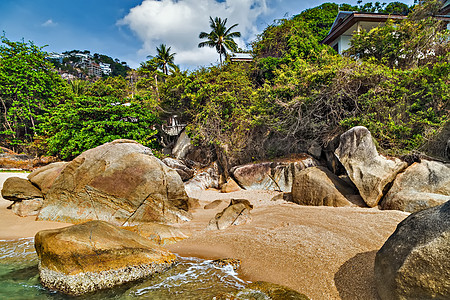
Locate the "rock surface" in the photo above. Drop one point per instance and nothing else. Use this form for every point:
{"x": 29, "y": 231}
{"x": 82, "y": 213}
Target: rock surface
{"x": 44, "y": 177}
{"x": 160, "y": 234}
{"x": 182, "y": 146}
{"x": 96, "y": 255}
{"x": 274, "y": 176}
{"x": 414, "y": 263}
{"x": 422, "y": 185}
{"x": 267, "y": 290}
{"x": 368, "y": 170}
{"x": 27, "y": 208}
{"x": 120, "y": 182}
{"x": 237, "y": 213}
{"x": 318, "y": 186}
{"x": 203, "y": 181}
{"x": 184, "y": 172}
{"x": 18, "y": 189}
{"x": 230, "y": 186}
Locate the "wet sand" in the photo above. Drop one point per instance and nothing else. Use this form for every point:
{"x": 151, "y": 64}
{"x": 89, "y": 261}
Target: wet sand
{"x": 15, "y": 227}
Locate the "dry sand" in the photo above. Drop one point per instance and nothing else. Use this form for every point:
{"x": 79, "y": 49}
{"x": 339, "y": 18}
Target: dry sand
{"x": 15, "y": 227}
{"x": 323, "y": 252}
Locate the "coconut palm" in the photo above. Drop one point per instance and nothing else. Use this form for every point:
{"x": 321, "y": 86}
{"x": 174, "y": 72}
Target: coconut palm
{"x": 164, "y": 58}
{"x": 220, "y": 37}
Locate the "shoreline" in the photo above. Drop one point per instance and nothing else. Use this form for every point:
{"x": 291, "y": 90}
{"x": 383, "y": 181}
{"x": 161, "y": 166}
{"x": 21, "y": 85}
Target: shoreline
{"x": 322, "y": 252}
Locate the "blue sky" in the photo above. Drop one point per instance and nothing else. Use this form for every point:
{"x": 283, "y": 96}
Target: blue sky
{"x": 131, "y": 29}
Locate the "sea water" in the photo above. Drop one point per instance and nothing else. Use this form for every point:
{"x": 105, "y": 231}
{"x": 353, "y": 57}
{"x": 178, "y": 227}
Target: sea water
{"x": 191, "y": 278}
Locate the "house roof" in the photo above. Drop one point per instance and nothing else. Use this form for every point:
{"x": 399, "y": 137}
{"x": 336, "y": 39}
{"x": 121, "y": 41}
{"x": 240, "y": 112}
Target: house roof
{"x": 241, "y": 57}
{"x": 345, "y": 20}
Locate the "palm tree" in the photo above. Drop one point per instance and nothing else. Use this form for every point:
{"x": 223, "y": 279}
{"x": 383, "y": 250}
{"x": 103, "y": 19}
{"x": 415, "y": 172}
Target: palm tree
{"x": 220, "y": 37}
{"x": 164, "y": 58}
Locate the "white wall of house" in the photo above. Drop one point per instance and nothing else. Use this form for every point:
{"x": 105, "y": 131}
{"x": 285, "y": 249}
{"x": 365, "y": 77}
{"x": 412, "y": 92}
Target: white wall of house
{"x": 342, "y": 42}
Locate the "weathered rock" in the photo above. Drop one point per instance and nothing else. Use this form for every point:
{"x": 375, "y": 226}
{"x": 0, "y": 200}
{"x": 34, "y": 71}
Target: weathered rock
{"x": 18, "y": 189}
{"x": 317, "y": 186}
{"x": 96, "y": 255}
{"x": 275, "y": 176}
{"x": 267, "y": 290}
{"x": 213, "y": 205}
{"x": 370, "y": 172}
{"x": 203, "y": 181}
{"x": 315, "y": 150}
{"x": 161, "y": 234}
{"x": 44, "y": 177}
{"x": 422, "y": 185}
{"x": 230, "y": 186}
{"x": 237, "y": 213}
{"x": 27, "y": 208}
{"x": 11, "y": 160}
{"x": 193, "y": 203}
{"x": 184, "y": 172}
{"x": 414, "y": 263}
{"x": 120, "y": 182}
{"x": 182, "y": 146}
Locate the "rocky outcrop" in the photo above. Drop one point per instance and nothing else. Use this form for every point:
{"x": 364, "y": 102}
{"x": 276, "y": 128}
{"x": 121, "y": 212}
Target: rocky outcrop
{"x": 414, "y": 263}
{"x": 369, "y": 171}
{"x": 44, "y": 177}
{"x": 318, "y": 186}
{"x": 18, "y": 189}
{"x": 422, "y": 185}
{"x": 237, "y": 213}
{"x": 11, "y": 160}
{"x": 121, "y": 182}
{"x": 160, "y": 234}
{"x": 212, "y": 205}
{"x": 96, "y": 255}
{"x": 27, "y": 198}
{"x": 203, "y": 180}
{"x": 185, "y": 172}
{"x": 275, "y": 176}
{"x": 182, "y": 147}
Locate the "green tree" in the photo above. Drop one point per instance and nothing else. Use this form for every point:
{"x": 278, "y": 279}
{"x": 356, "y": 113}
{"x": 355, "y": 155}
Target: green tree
{"x": 87, "y": 122}
{"x": 220, "y": 37}
{"x": 164, "y": 58}
{"x": 28, "y": 87}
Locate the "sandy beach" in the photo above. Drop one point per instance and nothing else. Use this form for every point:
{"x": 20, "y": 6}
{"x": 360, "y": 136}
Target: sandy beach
{"x": 323, "y": 252}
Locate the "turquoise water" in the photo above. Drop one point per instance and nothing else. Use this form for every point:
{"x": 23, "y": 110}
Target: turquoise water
{"x": 192, "y": 278}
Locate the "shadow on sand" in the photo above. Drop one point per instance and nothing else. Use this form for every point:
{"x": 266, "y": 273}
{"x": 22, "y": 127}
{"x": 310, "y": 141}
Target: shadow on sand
{"x": 355, "y": 278}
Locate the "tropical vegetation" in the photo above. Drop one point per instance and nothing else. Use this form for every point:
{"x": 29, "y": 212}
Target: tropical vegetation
{"x": 296, "y": 93}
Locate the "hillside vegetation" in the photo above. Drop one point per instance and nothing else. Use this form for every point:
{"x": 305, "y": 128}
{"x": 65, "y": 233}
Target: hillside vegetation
{"x": 296, "y": 93}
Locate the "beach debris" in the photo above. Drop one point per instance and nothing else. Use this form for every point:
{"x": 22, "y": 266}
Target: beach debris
{"x": 237, "y": 213}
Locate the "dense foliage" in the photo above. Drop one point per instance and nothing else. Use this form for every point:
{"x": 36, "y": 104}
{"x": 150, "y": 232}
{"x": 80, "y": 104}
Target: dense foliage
{"x": 297, "y": 93}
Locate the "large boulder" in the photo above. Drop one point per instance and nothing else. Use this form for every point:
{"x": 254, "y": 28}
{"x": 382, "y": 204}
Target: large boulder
{"x": 237, "y": 213}
{"x": 422, "y": 185}
{"x": 25, "y": 208}
{"x": 18, "y": 189}
{"x": 160, "y": 234}
{"x": 318, "y": 186}
{"x": 121, "y": 182}
{"x": 369, "y": 171}
{"x": 275, "y": 176}
{"x": 414, "y": 263}
{"x": 185, "y": 172}
{"x": 182, "y": 147}
{"x": 96, "y": 255}
{"x": 44, "y": 177}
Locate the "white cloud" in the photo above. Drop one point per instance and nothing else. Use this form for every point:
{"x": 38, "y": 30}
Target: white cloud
{"x": 177, "y": 23}
{"x": 48, "y": 23}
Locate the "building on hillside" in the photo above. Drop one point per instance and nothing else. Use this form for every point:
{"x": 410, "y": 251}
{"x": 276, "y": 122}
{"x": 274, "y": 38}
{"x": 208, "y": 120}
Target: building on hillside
{"x": 348, "y": 23}
{"x": 106, "y": 68}
{"x": 247, "y": 57}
